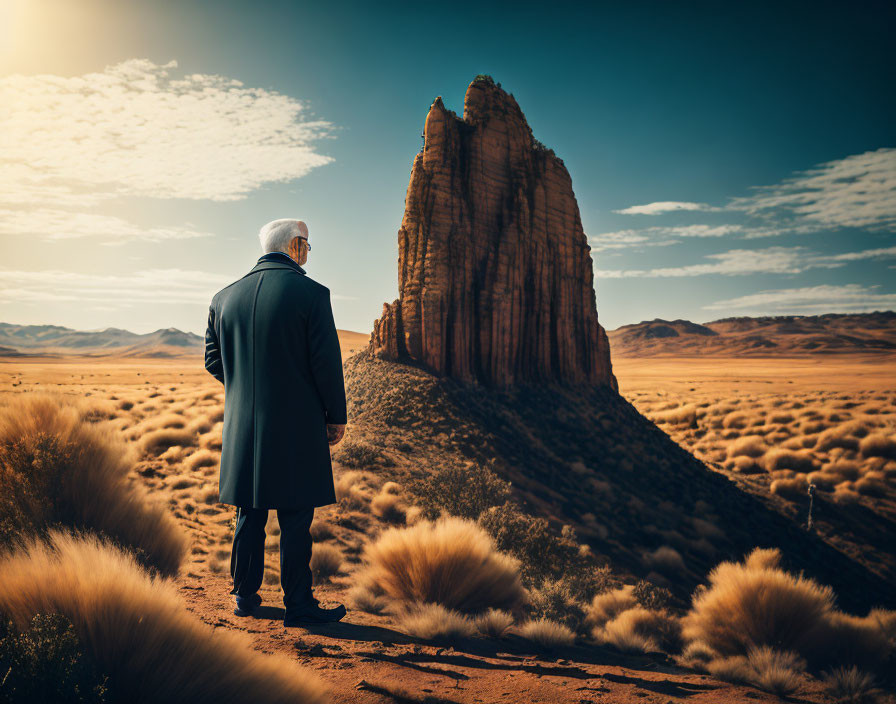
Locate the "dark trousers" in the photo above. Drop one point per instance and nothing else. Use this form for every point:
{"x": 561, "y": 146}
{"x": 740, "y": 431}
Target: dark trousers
{"x": 247, "y": 556}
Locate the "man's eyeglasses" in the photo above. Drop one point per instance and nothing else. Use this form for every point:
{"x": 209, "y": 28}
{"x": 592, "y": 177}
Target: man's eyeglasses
{"x": 303, "y": 241}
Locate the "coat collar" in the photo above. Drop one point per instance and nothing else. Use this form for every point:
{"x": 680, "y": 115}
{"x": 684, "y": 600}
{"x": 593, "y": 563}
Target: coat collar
{"x": 277, "y": 260}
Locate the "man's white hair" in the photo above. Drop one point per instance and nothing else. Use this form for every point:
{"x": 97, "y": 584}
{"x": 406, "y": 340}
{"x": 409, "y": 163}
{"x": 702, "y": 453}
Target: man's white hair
{"x": 277, "y": 234}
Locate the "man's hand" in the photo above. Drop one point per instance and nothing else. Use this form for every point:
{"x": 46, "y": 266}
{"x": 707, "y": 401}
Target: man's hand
{"x": 335, "y": 433}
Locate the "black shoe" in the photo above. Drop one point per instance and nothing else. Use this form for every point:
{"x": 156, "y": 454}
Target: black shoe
{"x": 246, "y": 606}
{"x": 313, "y": 612}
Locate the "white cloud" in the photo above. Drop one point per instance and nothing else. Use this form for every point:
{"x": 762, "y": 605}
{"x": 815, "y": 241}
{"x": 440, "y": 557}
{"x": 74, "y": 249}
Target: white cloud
{"x": 662, "y": 207}
{"x": 658, "y": 236}
{"x": 771, "y": 260}
{"x": 150, "y": 286}
{"x": 777, "y": 260}
{"x": 811, "y": 299}
{"x": 864, "y": 254}
{"x": 51, "y": 225}
{"x": 623, "y": 239}
{"x": 857, "y": 191}
{"x": 136, "y": 130}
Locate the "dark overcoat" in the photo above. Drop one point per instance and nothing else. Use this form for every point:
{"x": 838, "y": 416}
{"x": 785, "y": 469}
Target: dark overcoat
{"x": 271, "y": 340}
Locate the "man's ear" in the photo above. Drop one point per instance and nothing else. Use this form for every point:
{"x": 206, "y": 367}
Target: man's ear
{"x": 294, "y": 248}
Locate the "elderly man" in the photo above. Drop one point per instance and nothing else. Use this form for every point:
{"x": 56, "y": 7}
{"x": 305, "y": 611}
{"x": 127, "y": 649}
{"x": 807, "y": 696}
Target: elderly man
{"x": 271, "y": 340}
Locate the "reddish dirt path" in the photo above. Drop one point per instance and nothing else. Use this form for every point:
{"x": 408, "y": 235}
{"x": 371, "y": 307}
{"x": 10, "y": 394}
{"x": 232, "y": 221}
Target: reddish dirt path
{"x": 367, "y": 647}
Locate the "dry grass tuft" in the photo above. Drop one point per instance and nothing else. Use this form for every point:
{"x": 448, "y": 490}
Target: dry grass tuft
{"x": 775, "y": 671}
{"x": 665, "y": 559}
{"x": 451, "y": 561}
{"x": 137, "y": 631}
{"x": 547, "y": 634}
{"x": 879, "y": 445}
{"x": 494, "y": 623}
{"x": 748, "y": 446}
{"x": 607, "y": 605}
{"x": 850, "y": 685}
{"x": 388, "y": 507}
{"x": 755, "y": 603}
{"x": 158, "y": 441}
{"x": 202, "y": 458}
{"x": 768, "y": 669}
{"x": 326, "y": 561}
{"x": 434, "y": 622}
{"x": 789, "y": 459}
{"x": 56, "y": 468}
{"x": 640, "y": 630}
{"x": 792, "y": 489}
{"x": 363, "y": 598}
{"x": 696, "y": 655}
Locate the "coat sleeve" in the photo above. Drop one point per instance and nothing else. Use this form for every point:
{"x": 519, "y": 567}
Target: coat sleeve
{"x": 213, "y": 363}
{"x": 326, "y": 359}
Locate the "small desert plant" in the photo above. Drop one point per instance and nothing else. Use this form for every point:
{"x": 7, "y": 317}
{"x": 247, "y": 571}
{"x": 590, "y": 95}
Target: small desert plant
{"x": 158, "y": 441}
{"x": 460, "y": 491}
{"x": 202, "y": 458}
{"x": 792, "y": 489}
{"x": 607, "y": 605}
{"x": 748, "y": 446}
{"x": 452, "y": 562}
{"x": 542, "y": 553}
{"x": 774, "y": 671}
{"x": 665, "y": 559}
{"x": 547, "y": 634}
{"x": 57, "y": 469}
{"x": 134, "y": 627}
{"x": 696, "y": 655}
{"x": 326, "y": 560}
{"x": 388, "y": 507}
{"x": 878, "y": 445}
{"x": 435, "y": 622}
{"x": 768, "y": 669}
{"x": 640, "y": 630}
{"x": 494, "y": 623}
{"x": 755, "y": 603}
{"x": 850, "y": 685}
{"x": 363, "y": 598}
{"x": 44, "y": 663}
{"x": 650, "y": 596}
{"x": 789, "y": 459}
{"x": 556, "y": 600}
{"x": 350, "y": 487}
{"x": 358, "y": 453}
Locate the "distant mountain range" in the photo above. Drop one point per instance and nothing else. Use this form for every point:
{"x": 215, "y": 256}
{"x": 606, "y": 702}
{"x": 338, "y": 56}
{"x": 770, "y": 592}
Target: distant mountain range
{"x": 833, "y": 333}
{"x": 43, "y": 340}
{"x": 18, "y": 340}
{"x": 776, "y": 335}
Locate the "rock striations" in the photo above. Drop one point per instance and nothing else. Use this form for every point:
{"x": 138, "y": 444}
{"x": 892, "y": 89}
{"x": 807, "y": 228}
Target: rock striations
{"x": 495, "y": 271}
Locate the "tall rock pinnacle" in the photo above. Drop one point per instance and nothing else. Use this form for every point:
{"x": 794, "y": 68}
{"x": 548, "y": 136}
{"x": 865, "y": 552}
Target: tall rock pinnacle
{"x": 495, "y": 273}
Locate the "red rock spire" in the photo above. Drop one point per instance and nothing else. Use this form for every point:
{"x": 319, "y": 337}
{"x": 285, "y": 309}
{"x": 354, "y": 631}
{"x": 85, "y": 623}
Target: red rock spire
{"x": 495, "y": 273}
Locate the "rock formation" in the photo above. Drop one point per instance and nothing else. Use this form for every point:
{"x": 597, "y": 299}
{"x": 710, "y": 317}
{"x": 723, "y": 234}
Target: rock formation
{"x": 495, "y": 272}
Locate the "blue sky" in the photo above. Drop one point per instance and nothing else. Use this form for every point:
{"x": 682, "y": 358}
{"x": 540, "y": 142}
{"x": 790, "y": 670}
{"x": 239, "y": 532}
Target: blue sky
{"x": 727, "y": 160}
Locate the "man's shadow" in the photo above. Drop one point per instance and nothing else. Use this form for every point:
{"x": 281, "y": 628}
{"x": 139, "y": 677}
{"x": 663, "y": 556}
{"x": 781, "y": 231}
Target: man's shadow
{"x": 338, "y": 630}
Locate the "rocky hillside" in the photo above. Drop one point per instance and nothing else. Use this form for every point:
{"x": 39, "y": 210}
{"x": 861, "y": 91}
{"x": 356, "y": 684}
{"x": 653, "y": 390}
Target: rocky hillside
{"x": 834, "y": 333}
{"x": 584, "y": 456}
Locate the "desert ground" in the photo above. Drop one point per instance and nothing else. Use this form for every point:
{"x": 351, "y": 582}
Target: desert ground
{"x": 772, "y": 425}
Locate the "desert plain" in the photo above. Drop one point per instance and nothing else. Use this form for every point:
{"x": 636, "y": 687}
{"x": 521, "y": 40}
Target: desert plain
{"x": 773, "y": 425}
